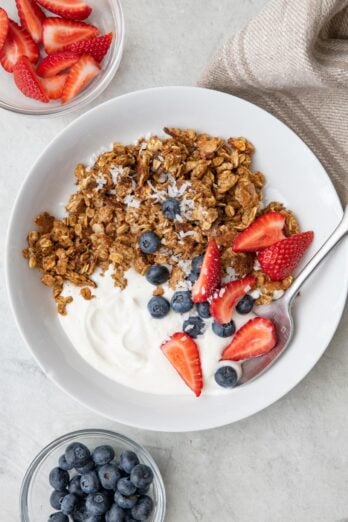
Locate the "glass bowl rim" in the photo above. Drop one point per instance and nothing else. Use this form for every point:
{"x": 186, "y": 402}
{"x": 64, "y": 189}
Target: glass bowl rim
{"x": 45, "y": 452}
{"x": 110, "y": 72}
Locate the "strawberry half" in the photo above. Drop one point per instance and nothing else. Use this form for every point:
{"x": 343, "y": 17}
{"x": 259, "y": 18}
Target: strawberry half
{"x": 18, "y": 43}
{"x": 263, "y": 232}
{"x": 97, "y": 46}
{"x": 3, "y": 26}
{"x": 225, "y": 299}
{"x": 256, "y": 337}
{"x": 70, "y": 9}
{"x": 80, "y": 75}
{"x": 280, "y": 260}
{"x": 182, "y": 352}
{"x": 210, "y": 274}
{"x": 26, "y": 80}
{"x": 54, "y": 85}
{"x": 31, "y": 18}
{"x": 59, "y": 33}
{"x": 55, "y": 63}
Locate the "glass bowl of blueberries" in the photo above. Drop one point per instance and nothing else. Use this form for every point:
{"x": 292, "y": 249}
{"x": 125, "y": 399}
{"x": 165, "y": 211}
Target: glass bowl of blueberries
{"x": 93, "y": 475}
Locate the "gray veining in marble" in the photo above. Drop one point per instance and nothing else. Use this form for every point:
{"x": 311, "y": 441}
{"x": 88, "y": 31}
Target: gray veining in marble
{"x": 285, "y": 464}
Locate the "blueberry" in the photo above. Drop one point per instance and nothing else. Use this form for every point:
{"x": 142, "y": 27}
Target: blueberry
{"x": 89, "y": 482}
{"x": 87, "y": 467}
{"x": 62, "y": 463}
{"x": 203, "y": 310}
{"x": 245, "y": 305}
{"x": 75, "y": 486}
{"x": 69, "y": 503}
{"x": 181, "y": 301}
{"x": 141, "y": 476}
{"x": 125, "y": 502}
{"x": 226, "y": 376}
{"x": 77, "y": 455}
{"x": 143, "y": 508}
{"x": 192, "y": 277}
{"x": 59, "y": 479}
{"x": 129, "y": 517}
{"x": 171, "y": 208}
{"x": 94, "y": 518}
{"x": 103, "y": 455}
{"x": 149, "y": 242}
{"x": 143, "y": 491}
{"x": 115, "y": 514}
{"x": 157, "y": 274}
{"x": 57, "y": 497}
{"x": 109, "y": 475}
{"x": 126, "y": 487}
{"x": 197, "y": 263}
{"x": 158, "y": 307}
{"x": 97, "y": 503}
{"x": 128, "y": 459}
{"x": 224, "y": 330}
{"x": 193, "y": 326}
{"x": 58, "y": 517}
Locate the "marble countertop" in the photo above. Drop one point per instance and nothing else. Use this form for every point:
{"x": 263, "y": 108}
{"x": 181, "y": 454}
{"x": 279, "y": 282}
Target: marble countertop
{"x": 287, "y": 463}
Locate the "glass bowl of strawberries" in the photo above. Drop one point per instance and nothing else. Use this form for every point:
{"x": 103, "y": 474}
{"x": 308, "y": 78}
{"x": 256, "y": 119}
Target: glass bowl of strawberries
{"x": 57, "y": 55}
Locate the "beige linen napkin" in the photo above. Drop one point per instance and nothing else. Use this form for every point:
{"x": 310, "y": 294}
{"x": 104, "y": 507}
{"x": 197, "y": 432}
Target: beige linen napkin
{"x": 292, "y": 60}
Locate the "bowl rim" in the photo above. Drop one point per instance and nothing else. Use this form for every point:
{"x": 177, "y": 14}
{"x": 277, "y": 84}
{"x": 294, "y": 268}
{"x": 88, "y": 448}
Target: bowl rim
{"x": 46, "y": 450}
{"x": 110, "y": 72}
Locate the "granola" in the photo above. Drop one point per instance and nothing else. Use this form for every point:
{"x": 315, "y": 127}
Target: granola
{"x": 120, "y": 197}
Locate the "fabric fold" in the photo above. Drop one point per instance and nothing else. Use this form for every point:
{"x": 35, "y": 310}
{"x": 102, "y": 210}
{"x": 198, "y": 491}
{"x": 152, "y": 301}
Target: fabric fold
{"x": 292, "y": 60}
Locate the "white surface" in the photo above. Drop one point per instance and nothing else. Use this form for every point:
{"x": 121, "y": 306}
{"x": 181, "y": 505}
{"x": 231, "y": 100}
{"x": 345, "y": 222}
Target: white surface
{"x": 218, "y": 114}
{"x": 286, "y": 463}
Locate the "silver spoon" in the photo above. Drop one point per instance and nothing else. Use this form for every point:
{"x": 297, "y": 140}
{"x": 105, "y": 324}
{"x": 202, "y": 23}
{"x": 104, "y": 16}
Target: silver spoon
{"x": 279, "y": 312}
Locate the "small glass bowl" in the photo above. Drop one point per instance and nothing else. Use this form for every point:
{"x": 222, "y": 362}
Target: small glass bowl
{"x": 108, "y": 16}
{"x": 36, "y": 490}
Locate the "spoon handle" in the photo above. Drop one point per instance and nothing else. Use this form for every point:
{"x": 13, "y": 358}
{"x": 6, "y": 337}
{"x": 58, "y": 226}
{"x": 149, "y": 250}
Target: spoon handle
{"x": 331, "y": 242}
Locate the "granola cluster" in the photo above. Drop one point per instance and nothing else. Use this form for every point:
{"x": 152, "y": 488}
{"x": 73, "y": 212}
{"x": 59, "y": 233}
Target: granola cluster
{"x": 120, "y": 197}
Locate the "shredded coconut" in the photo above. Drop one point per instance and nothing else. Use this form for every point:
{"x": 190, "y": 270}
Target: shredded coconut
{"x": 115, "y": 173}
{"x": 101, "y": 181}
{"x": 255, "y": 294}
{"x": 182, "y": 234}
{"x": 132, "y": 201}
{"x": 277, "y": 294}
{"x": 185, "y": 265}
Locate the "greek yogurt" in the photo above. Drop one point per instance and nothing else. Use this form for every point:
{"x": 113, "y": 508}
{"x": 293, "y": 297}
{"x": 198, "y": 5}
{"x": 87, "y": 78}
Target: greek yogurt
{"x": 115, "y": 334}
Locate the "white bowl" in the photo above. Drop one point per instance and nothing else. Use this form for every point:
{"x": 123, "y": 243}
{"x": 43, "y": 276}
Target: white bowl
{"x": 290, "y": 167}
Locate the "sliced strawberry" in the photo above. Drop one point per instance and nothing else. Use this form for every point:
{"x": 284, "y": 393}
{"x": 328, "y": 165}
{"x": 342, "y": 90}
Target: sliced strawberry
{"x": 80, "y": 75}
{"x": 256, "y": 337}
{"x": 210, "y": 275}
{"x": 31, "y": 18}
{"x": 225, "y": 299}
{"x": 280, "y": 260}
{"x": 59, "y": 33}
{"x": 55, "y": 63}
{"x": 263, "y": 232}
{"x": 26, "y": 80}
{"x": 70, "y": 9}
{"x": 182, "y": 352}
{"x": 54, "y": 85}
{"x": 18, "y": 43}
{"x": 3, "y": 27}
{"x": 97, "y": 46}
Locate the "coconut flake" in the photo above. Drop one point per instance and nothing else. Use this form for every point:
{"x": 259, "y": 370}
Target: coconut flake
{"x": 277, "y": 294}
{"x": 116, "y": 172}
{"x": 255, "y": 294}
{"x": 131, "y": 201}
